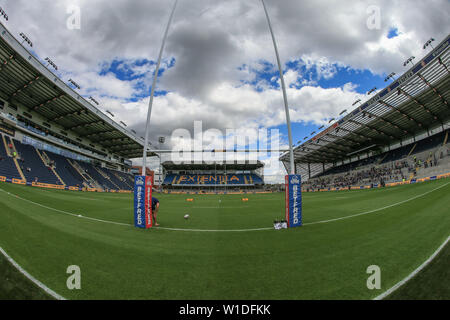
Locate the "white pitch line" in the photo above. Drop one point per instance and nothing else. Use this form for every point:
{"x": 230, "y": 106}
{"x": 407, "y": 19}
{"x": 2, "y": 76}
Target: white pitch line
{"x": 234, "y": 230}
{"x": 205, "y": 230}
{"x": 31, "y": 278}
{"x": 90, "y": 199}
{"x": 65, "y": 212}
{"x": 220, "y": 207}
{"x": 383, "y": 295}
{"x": 375, "y": 210}
{"x": 412, "y": 274}
{"x": 128, "y": 224}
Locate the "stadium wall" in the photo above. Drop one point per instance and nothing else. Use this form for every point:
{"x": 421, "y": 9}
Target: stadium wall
{"x": 58, "y": 187}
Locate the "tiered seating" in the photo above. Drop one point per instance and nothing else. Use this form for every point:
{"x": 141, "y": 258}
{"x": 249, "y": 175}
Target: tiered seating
{"x": 397, "y": 154}
{"x": 210, "y": 179}
{"x": 65, "y": 170}
{"x": 34, "y": 169}
{"x": 430, "y": 171}
{"x": 91, "y": 171}
{"x": 394, "y": 155}
{"x": 430, "y": 143}
{"x": 257, "y": 180}
{"x": 128, "y": 179}
{"x": 118, "y": 180}
{"x": 427, "y": 157}
{"x": 113, "y": 179}
{"x": 32, "y": 166}
{"x": 8, "y": 168}
{"x": 353, "y": 166}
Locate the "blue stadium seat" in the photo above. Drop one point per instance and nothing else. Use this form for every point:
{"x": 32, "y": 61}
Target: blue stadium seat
{"x": 32, "y": 166}
{"x": 94, "y": 174}
{"x": 127, "y": 179}
{"x": 7, "y": 166}
{"x": 211, "y": 180}
{"x": 117, "y": 179}
{"x": 70, "y": 176}
{"x": 65, "y": 170}
{"x": 112, "y": 183}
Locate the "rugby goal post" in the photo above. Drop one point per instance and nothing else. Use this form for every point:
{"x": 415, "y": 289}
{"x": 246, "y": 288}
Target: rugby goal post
{"x": 143, "y": 188}
{"x": 293, "y": 193}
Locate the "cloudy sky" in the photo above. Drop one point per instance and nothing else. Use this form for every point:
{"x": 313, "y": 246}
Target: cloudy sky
{"x": 219, "y": 65}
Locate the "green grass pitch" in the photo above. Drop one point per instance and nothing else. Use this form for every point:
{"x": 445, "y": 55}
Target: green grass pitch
{"x": 395, "y": 228}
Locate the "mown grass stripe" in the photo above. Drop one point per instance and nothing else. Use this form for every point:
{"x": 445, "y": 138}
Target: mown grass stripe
{"x": 234, "y": 230}
{"x": 412, "y": 274}
{"x": 31, "y": 278}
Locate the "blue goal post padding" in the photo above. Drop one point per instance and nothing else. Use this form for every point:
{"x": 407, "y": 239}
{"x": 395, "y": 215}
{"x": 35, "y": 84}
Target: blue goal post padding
{"x": 143, "y": 186}
{"x": 294, "y": 201}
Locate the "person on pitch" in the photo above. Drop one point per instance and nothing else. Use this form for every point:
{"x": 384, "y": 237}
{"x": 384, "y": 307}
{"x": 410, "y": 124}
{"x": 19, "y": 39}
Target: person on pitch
{"x": 155, "y": 209}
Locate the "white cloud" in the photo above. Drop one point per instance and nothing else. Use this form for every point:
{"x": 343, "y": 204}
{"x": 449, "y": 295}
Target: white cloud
{"x": 211, "y": 40}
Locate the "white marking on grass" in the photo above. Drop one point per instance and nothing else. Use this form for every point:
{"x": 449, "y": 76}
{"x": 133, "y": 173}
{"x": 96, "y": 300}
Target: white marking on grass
{"x": 68, "y": 213}
{"x": 84, "y": 198}
{"x": 381, "y": 296}
{"x": 31, "y": 278}
{"x": 412, "y": 274}
{"x": 234, "y": 230}
{"x": 220, "y": 207}
{"x": 376, "y": 210}
{"x": 205, "y": 230}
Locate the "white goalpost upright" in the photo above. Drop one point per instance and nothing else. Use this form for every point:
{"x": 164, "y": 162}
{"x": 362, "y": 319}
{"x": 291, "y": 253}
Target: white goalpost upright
{"x": 143, "y": 184}
{"x": 293, "y": 193}
{"x": 293, "y": 182}
{"x": 283, "y": 88}
{"x": 152, "y": 95}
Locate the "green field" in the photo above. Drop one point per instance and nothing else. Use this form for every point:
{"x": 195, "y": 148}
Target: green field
{"x": 217, "y": 253}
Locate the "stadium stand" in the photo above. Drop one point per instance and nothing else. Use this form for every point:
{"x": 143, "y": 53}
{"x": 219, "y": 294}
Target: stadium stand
{"x": 127, "y": 179}
{"x": 51, "y": 168}
{"x": 32, "y": 165}
{"x": 60, "y": 139}
{"x": 101, "y": 181}
{"x": 7, "y": 166}
{"x": 65, "y": 170}
{"x": 210, "y": 179}
{"x": 378, "y": 140}
{"x": 119, "y": 180}
{"x": 215, "y": 177}
{"x": 426, "y": 158}
{"x": 109, "y": 177}
{"x": 393, "y": 155}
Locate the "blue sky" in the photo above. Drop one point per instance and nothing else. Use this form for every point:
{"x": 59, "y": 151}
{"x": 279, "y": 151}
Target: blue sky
{"x": 264, "y": 76}
{"x": 393, "y": 32}
{"x": 266, "y": 73}
{"x": 222, "y": 72}
{"x": 138, "y": 72}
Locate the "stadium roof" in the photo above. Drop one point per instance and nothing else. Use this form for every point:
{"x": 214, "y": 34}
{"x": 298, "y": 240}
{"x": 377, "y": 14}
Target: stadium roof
{"x": 415, "y": 102}
{"x": 235, "y": 165}
{"x": 25, "y": 80}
